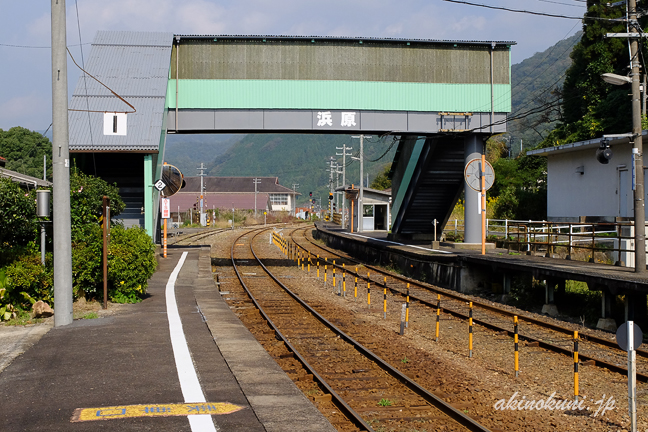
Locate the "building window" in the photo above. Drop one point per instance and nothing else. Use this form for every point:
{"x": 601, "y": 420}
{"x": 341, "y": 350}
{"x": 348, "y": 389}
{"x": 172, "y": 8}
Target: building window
{"x": 279, "y": 199}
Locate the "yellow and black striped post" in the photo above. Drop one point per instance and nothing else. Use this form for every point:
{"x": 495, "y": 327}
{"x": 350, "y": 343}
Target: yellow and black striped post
{"x": 368, "y": 291}
{"x": 438, "y": 316}
{"x": 515, "y": 340}
{"x": 334, "y": 276}
{"x": 302, "y": 255}
{"x": 317, "y": 266}
{"x": 309, "y": 262}
{"x": 355, "y": 287}
{"x": 470, "y": 330}
{"x": 407, "y": 307}
{"x": 385, "y": 300}
{"x": 343, "y": 280}
{"x": 576, "y": 366}
{"x": 325, "y": 271}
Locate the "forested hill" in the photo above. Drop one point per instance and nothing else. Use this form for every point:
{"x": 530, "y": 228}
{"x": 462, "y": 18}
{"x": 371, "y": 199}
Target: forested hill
{"x": 302, "y": 159}
{"x": 533, "y": 81}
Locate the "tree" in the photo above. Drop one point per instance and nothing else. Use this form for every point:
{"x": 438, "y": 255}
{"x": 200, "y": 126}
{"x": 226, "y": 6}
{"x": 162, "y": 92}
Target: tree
{"x": 382, "y": 180}
{"x": 24, "y": 151}
{"x": 590, "y": 106}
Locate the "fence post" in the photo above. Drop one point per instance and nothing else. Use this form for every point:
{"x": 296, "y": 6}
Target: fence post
{"x": 576, "y": 366}
{"x": 506, "y": 229}
{"x": 592, "y": 258}
{"x": 569, "y": 248}
{"x": 455, "y": 228}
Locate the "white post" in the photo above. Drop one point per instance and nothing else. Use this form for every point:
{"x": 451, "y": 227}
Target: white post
{"x": 632, "y": 378}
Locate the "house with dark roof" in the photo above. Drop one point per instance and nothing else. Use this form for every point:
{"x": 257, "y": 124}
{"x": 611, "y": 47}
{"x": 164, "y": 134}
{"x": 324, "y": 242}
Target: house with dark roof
{"x": 240, "y": 193}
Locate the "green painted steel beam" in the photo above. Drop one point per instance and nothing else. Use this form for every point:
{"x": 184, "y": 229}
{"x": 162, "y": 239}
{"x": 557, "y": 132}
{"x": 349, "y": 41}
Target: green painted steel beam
{"x": 149, "y": 217}
{"x": 356, "y": 95}
{"x": 407, "y": 178}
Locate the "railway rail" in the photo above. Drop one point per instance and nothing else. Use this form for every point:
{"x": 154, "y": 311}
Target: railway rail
{"x": 351, "y": 373}
{"x": 554, "y": 337}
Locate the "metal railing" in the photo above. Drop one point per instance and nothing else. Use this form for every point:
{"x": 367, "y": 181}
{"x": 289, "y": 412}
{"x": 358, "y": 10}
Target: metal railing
{"x": 537, "y": 236}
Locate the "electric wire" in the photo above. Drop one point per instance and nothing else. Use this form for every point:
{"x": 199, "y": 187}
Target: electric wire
{"x": 109, "y": 89}
{"x": 585, "y": 17}
{"x": 85, "y": 85}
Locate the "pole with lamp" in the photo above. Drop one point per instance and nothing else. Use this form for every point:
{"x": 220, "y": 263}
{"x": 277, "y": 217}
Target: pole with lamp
{"x": 637, "y": 147}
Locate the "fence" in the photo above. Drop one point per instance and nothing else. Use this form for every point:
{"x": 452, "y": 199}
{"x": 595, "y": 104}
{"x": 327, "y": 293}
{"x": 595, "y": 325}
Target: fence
{"x": 535, "y": 236}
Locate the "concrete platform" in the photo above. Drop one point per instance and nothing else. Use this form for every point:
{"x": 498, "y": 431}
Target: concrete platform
{"x": 125, "y": 363}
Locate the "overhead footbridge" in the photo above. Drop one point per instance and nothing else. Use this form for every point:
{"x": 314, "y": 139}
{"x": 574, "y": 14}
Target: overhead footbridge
{"x": 441, "y": 97}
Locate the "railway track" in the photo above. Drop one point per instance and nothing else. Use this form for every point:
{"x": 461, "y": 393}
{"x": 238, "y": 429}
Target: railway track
{"x": 356, "y": 379}
{"x": 551, "y": 336}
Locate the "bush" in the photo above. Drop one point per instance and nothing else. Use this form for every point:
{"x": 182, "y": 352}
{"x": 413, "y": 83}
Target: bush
{"x": 131, "y": 262}
{"x": 28, "y": 280}
{"x": 19, "y": 224}
{"x": 87, "y": 256}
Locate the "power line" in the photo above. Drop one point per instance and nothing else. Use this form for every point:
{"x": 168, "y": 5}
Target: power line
{"x": 534, "y": 13}
{"x": 36, "y": 47}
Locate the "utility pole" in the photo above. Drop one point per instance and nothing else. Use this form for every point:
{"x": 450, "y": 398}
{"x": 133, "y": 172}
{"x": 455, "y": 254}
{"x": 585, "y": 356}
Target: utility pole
{"x": 361, "y": 194}
{"x": 61, "y": 171}
{"x": 637, "y": 149}
{"x": 344, "y": 155}
{"x": 331, "y": 170}
{"x": 256, "y": 182}
{"x": 202, "y": 196}
{"x": 295, "y": 186}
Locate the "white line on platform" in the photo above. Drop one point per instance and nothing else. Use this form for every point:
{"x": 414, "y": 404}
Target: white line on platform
{"x": 191, "y": 390}
{"x": 400, "y": 244}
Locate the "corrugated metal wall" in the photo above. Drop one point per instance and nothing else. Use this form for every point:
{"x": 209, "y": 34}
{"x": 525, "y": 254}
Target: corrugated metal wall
{"x": 340, "y": 60}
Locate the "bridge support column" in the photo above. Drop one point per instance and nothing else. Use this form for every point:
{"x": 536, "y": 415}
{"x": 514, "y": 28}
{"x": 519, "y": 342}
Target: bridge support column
{"x": 473, "y": 148}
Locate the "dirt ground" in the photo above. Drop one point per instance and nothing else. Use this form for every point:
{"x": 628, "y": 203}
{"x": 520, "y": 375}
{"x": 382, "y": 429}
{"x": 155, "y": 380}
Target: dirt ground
{"x": 485, "y": 384}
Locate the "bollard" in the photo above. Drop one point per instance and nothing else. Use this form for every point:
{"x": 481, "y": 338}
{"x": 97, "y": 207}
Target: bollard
{"x": 344, "y": 280}
{"x": 309, "y": 262}
{"x": 438, "y": 315}
{"x": 470, "y": 331}
{"x": 317, "y": 266}
{"x": 385, "y": 302}
{"x": 368, "y": 291}
{"x": 403, "y": 315}
{"x": 576, "y": 366}
{"x": 333, "y": 274}
{"x": 355, "y": 287}
{"x": 407, "y": 307}
{"x": 325, "y": 270}
{"x": 515, "y": 339}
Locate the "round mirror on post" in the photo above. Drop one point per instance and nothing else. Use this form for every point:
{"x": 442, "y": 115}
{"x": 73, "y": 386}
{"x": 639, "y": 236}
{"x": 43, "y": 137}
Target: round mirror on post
{"x": 173, "y": 180}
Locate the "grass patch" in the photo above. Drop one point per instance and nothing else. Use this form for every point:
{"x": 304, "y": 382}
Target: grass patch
{"x": 90, "y": 315}
{"x": 385, "y": 402}
{"x": 23, "y": 318}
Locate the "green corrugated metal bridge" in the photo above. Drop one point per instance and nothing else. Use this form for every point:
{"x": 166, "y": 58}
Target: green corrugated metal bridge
{"x": 443, "y": 98}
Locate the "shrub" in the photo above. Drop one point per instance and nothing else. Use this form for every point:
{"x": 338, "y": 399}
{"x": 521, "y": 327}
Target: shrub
{"x": 86, "y": 198}
{"x": 131, "y": 263}
{"x": 19, "y": 224}
{"x": 28, "y": 280}
{"x": 87, "y": 255}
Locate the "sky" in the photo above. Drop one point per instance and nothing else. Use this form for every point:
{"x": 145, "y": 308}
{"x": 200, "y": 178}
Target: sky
{"x": 25, "y": 93}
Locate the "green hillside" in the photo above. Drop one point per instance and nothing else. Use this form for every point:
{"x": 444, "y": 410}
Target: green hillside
{"x": 533, "y": 83}
{"x": 301, "y": 159}
{"x": 186, "y": 152}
